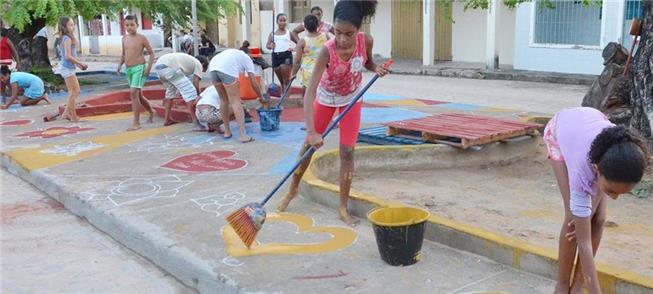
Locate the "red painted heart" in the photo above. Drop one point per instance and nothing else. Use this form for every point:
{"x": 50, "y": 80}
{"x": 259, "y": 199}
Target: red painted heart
{"x": 206, "y": 162}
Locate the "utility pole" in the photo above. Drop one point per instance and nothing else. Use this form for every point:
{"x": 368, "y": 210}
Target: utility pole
{"x": 195, "y": 34}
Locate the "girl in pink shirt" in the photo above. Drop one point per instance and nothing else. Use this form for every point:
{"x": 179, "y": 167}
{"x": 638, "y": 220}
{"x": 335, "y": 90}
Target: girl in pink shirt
{"x": 591, "y": 158}
{"x": 339, "y": 73}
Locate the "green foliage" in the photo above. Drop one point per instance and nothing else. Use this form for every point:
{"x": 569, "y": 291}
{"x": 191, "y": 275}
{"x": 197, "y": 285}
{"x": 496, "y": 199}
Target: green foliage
{"x": 46, "y": 74}
{"x": 22, "y": 13}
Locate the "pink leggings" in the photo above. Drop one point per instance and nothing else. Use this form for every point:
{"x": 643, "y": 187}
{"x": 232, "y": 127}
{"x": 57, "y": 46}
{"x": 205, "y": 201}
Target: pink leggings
{"x": 349, "y": 125}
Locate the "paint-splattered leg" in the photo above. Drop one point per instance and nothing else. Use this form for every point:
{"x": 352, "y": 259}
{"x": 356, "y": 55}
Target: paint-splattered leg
{"x": 346, "y": 176}
{"x": 296, "y": 178}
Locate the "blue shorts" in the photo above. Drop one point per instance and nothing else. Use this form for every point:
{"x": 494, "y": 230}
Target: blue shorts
{"x": 35, "y": 90}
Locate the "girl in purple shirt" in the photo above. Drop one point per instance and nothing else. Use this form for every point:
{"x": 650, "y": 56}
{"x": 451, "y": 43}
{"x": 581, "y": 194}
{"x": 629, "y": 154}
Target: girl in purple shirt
{"x": 591, "y": 158}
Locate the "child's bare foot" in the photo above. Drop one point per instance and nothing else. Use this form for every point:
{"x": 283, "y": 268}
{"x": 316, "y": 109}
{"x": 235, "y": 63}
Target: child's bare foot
{"x": 347, "y": 218}
{"x": 151, "y": 118}
{"x": 134, "y": 127}
{"x": 169, "y": 122}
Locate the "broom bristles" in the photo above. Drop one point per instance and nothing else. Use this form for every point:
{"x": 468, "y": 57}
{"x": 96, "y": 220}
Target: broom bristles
{"x": 242, "y": 224}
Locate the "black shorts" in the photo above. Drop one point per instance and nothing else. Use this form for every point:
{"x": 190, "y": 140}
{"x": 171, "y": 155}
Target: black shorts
{"x": 281, "y": 58}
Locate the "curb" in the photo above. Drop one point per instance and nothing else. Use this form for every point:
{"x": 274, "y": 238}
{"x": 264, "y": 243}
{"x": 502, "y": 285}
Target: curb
{"x": 468, "y": 73}
{"x": 503, "y": 249}
{"x": 129, "y": 230}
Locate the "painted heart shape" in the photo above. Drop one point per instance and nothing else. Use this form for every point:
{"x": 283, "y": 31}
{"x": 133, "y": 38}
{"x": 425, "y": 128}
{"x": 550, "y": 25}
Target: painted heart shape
{"x": 206, "y": 162}
{"x": 341, "y": 237}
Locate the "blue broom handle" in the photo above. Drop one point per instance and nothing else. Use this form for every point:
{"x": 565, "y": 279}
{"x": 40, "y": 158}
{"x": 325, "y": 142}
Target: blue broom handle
{"x": 285, "y": 92}
{"x": 311, "y": 150}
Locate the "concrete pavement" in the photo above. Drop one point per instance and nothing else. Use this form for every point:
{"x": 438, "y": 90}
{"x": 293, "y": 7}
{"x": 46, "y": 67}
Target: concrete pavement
{"x": 46, "y": 248}
{"x": 164, "y": 192}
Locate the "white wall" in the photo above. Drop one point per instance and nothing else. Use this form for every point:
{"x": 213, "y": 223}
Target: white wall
{"x": 381, "y": 29}
{"x": 527, "y": 57}
{"x": 469, "y": 34}
{"x": 506, "y": 33}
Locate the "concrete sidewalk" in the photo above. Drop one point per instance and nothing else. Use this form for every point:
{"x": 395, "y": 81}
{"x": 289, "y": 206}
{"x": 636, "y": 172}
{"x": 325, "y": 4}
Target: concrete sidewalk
{"x": 45, "y": 248}
{"x": 164, "y": 193}
{"x": 467, "y": 70}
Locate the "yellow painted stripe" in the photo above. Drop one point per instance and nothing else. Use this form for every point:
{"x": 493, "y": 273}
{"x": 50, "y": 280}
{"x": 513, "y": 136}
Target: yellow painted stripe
{"x": 32, "y": 158}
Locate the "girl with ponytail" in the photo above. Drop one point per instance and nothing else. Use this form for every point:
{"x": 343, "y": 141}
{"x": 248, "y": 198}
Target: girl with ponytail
{"x": 337, "y": 76}
{"x": 592, "y": 159}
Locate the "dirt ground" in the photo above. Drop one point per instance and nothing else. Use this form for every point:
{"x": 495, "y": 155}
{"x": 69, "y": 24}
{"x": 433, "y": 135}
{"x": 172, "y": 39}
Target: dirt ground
{"x": 521, "y": 200}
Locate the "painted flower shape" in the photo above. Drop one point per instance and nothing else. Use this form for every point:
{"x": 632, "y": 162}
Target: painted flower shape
{"x": 137, "y": 189}
{"x": 221, "y": 203}
{"x": 206, "y": 162}
{"x": 357, "y": 64}
{"x": 53, "y": 132}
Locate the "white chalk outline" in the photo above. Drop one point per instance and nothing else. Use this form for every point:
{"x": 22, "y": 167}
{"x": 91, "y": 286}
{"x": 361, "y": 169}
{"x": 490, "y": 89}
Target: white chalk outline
{"x": 166, "y": 186}
{"x": 169, "y": 142}
{"x": 222, "y": 200}
{"x": 73, "y": 149}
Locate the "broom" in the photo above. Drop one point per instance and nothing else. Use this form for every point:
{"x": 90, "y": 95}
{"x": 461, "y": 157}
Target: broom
{"x": 248, "y": 220}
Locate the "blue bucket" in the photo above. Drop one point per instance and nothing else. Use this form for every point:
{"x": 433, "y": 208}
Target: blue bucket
{"x": 269, "y": 118}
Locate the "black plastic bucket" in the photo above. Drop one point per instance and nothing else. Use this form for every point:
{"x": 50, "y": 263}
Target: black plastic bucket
{"x": 399, "y": 233}
{"x": 269, "y": 118}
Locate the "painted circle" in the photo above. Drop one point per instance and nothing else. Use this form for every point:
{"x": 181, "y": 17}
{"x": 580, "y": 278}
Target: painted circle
{"x": 137, "y": 189}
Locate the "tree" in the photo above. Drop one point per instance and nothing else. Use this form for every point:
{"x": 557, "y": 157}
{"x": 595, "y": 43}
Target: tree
{"x": 641, "y": 71}
{"x": 27, "y": 17}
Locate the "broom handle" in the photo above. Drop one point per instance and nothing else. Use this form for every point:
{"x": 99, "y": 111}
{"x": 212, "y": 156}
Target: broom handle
{"x": 286, "y": 91}
{"x": 311, "y": 150}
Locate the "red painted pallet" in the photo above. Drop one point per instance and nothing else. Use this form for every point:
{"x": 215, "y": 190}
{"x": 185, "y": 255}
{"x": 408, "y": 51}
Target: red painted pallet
{"x": 461, "y": 130}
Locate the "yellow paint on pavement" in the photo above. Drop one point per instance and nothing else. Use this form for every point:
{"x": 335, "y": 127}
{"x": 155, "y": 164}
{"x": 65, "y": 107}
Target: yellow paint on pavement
{"x": 113, "y": 116}
{"x": 340, "y": 238}
{"x": 32, "y": 158}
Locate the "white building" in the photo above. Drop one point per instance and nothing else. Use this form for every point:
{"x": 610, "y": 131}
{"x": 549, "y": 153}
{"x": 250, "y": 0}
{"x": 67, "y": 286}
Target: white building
{"x": 103, "y": 36}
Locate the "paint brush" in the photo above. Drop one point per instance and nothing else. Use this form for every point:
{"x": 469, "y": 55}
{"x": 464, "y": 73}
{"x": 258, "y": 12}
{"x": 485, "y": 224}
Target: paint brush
{"x": 248, "y": 220}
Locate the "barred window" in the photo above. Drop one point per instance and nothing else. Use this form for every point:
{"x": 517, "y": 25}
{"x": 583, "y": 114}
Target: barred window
{"x": 569, "y": 23}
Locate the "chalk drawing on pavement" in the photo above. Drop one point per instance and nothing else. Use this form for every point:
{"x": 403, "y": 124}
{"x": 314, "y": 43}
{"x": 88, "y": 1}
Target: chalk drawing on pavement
{"x": 72, "y": 149}
{"x": 172, "y": 142}
{"x": 219, "y": 204}
{"x": 137, "y": 189}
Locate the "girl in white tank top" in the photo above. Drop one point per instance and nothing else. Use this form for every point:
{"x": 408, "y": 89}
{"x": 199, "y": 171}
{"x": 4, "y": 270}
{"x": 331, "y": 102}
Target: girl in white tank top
{"x": 281, "y": 42}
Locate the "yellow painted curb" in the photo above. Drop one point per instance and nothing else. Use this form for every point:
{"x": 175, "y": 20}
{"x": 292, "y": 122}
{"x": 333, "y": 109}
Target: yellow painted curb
{"x": 609, "y": 275}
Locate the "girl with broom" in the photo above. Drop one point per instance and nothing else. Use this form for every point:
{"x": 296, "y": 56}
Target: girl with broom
{"x": 336, "y": 78}
{"x": 592, "y": 160}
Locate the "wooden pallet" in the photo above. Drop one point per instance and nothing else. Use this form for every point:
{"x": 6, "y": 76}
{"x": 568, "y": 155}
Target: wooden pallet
{"x": 460, "y": 130}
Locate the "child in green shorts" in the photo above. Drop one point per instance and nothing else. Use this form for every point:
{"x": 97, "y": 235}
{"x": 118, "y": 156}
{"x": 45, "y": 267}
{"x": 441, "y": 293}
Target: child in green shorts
{"x": 137, "y": 71}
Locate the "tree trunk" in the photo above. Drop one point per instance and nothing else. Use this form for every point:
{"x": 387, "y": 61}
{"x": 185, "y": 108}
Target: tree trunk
{"x": 642, "y": 73}
{"x": 33, "y": 52}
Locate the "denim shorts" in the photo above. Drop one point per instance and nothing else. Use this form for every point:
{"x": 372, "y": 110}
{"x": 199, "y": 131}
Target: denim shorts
{"x": 66, "y": 72}
{"x": 220, "y": 77}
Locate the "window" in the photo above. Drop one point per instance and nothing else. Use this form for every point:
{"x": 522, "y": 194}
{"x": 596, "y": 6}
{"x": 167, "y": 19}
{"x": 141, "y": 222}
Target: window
{"x": 633, "y": 9}
{"x": 299, "y": 9}
{"x": 570, "y": 23}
